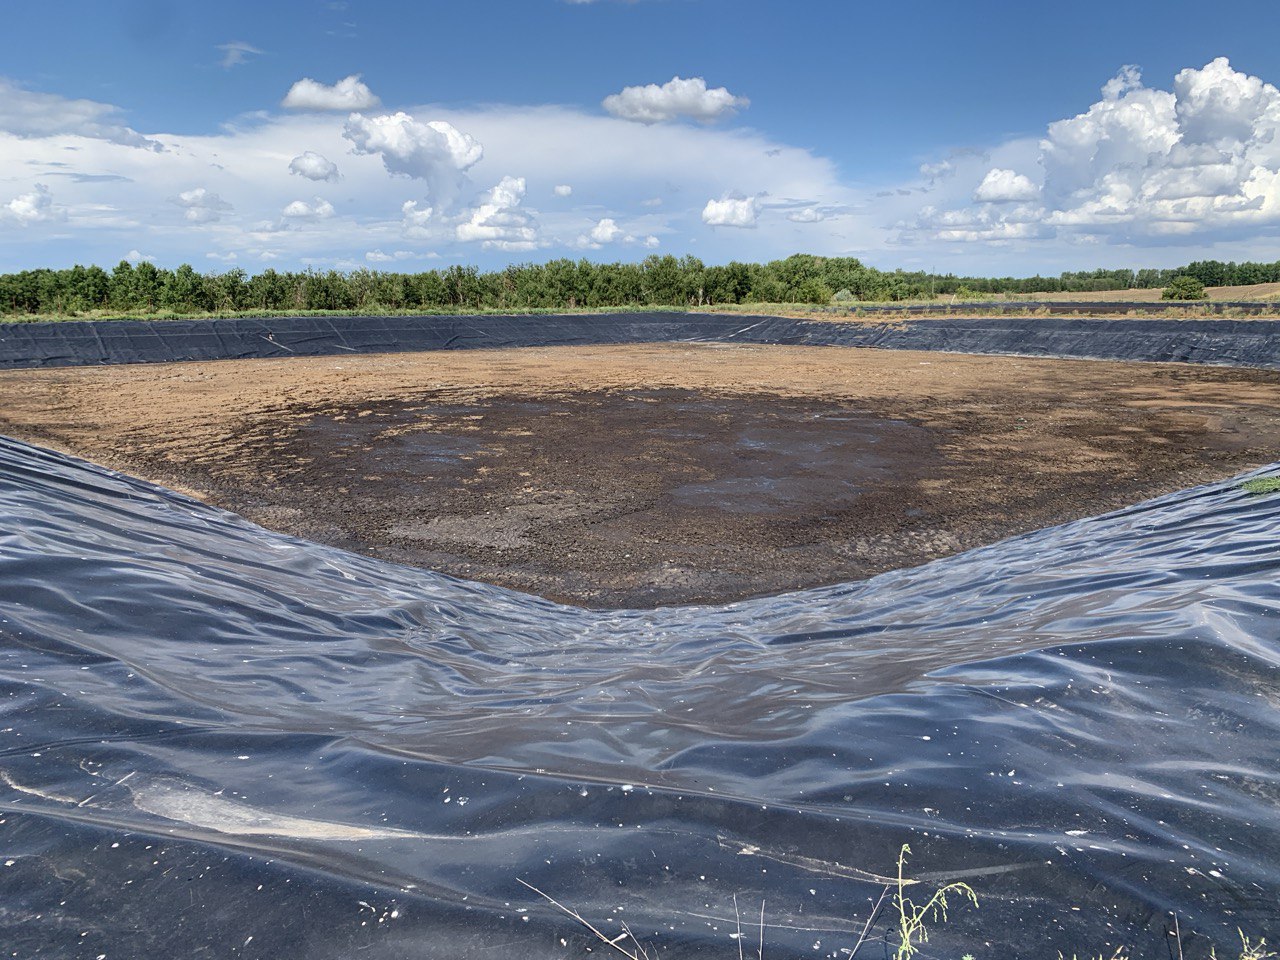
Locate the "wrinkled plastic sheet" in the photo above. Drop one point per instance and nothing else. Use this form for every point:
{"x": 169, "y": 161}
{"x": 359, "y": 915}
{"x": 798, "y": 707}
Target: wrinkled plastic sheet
{"x": 1254, "y": 343}
{"x": 221, "y": 741}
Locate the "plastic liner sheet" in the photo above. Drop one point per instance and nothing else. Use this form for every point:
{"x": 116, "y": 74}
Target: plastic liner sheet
{"x": 220, "y": 741}
{"x": 1080, "y": 307}
{"x": 1254, "y": 343}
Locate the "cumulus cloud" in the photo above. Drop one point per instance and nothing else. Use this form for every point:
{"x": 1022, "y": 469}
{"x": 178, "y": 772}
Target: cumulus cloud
{"x": 1142, "y": 164}
{"x": 563, "y": 190}
{"x": 416, "y": 223}
{"x": 1128, "y": 78}
{"x": 602, "y": 231}
{"x": 313, "y": 166}
{"x": 617, "y": 164}
{"x": 26, "y": 113}
{"x": 34, "y": 207}
{"x": 1005, "y": 186}
{"x": 806, "y": 215}
{"x": 436, "y": 152}
{"x": 236, "y": 52}
{"x": 605, "y": 231}
{"x": 136, "y": 257}
{"x": 319, "y": 209}
{"x": 672, "y": 100}
{"x": 349, "y": 93}
{"x": 732, "y": 212}
{"x": 499, "y": 222}
{"x": 987, "y": 223}
{"x": 201, "y": 206}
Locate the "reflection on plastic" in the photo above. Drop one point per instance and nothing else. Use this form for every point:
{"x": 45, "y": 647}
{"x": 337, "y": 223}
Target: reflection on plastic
{"x": 216, "y": 738}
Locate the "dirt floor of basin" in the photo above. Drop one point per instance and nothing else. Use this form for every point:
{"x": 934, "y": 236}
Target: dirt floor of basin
{"x": 658, "y": 474}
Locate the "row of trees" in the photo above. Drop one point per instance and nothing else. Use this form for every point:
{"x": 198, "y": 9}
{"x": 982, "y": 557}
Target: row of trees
{"x": 1211, "y": 273}
{"x": 657, "y": 281}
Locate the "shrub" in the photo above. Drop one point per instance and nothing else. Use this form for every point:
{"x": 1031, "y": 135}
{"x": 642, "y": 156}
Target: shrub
{"x": 1183, "y": 287}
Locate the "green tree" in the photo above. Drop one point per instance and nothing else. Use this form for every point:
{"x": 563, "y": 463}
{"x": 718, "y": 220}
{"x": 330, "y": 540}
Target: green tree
{"x": 1184, "y": 287}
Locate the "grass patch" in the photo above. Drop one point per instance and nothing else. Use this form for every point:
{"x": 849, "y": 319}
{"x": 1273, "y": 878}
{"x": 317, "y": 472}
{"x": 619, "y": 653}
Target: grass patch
{"x": 1261, "y": 485}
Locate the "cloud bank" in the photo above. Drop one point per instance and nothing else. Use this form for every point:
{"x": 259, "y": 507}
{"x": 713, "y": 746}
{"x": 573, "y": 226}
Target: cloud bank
{"x": 1144, "y": 167}
{"x": 1201, "y": 160}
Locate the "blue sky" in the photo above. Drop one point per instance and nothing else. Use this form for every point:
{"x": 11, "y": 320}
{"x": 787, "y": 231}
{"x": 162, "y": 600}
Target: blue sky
{"x": 973, "y": 137}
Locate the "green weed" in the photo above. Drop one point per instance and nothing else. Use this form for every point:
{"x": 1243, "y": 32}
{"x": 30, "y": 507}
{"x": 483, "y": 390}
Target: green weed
{"x": 1261, "y": 485}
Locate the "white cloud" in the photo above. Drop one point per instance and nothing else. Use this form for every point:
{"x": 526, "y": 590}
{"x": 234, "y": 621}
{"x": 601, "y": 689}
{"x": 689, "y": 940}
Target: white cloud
{"x": 499, "y": 222}
{"x": 320, "y": 209}
{"x": 349, "y": 93}
{"x": 135, "y": 257}
{"x": 236, "y": 52}
{"x": 229, "y": 257}
{"x": 436, "y": 152}
{"x": 674, "y": 99}
{"x": 605, "y": 231}
{"x": 612, "y": 163}
{"x": 201, "y": 205}
{"x": 602, "y": 231}
{"x": 396, "y": 256}
{"x": 1005, "y": 186}
{"x": 732, "y": 212}
{"x": 1142, "y": 165}
{"x": 651, "y": 242}
{"x": 985, "y": 223}
{"x": 26, "y": 113}
{"x": 806, "y": 215}
{"x": 563, "y": 190}
{"x": 34, "y": 207}
{"x": 934, "y": 171}
{"x": 1128, "y": 78}
{"x": 414, "y": 223}
{"x": 314, "y": 167}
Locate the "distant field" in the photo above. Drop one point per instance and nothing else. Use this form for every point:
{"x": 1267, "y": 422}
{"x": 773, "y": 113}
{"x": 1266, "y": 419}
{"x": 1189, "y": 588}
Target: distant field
{"x": 1257, "y": 291}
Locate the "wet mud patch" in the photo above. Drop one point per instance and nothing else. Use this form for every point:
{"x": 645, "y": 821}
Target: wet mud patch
{"x": 615, "y": 498}
{"x": 653, "y": 475}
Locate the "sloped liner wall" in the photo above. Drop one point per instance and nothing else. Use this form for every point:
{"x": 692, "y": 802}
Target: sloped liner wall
{"x": 1254, "y": 343}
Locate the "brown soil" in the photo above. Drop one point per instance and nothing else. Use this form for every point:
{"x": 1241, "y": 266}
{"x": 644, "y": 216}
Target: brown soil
{"x": 646, "y": 475}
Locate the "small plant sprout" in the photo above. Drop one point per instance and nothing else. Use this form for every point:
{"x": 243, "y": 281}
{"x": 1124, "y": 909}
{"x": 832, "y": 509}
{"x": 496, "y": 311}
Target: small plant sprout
{"x": 913, "y": 918}
{"x": 1249, "y": 950}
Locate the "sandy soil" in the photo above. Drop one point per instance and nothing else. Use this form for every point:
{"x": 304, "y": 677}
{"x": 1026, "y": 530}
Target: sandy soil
{"x": 646, "y": 475}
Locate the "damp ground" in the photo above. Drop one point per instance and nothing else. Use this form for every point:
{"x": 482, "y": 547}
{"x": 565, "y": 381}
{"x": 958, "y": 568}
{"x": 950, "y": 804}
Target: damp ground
{"x": 659, "y": 474}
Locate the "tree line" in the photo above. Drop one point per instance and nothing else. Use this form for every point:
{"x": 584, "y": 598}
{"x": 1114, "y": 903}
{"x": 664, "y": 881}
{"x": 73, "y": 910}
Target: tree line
{"x": 144, "y": 288}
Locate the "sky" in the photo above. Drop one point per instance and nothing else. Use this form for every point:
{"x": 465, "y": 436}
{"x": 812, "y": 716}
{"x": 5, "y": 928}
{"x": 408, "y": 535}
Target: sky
{"x": 988, "y": 137}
